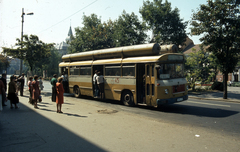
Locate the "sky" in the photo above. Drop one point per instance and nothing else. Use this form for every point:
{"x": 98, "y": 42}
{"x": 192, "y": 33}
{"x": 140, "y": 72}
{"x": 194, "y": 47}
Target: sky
{"x": 52, "y": 18}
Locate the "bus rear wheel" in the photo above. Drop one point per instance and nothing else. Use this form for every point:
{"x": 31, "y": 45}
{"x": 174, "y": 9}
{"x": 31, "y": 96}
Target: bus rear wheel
{"x": 127, "y": 98}
{"x": 77, "y": 92}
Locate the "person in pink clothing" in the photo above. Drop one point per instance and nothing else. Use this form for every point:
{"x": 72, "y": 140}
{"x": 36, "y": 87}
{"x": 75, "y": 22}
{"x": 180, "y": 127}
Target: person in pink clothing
{"x": 35, "y": 91}
{"x": 59, "y": 96}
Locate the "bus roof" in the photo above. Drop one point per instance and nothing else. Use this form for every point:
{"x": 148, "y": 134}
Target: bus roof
{"x": 168, "y": 57}
{"x": 121, "y": 52}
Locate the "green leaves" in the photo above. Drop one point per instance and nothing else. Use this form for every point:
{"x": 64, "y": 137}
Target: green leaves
{"x": 165, "y": 23}
{"x": 31, "y": 50}
{"x": 126, "y": 30}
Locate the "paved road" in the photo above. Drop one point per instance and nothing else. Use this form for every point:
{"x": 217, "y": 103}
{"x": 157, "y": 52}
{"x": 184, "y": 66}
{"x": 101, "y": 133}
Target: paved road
{"x": 90, "y": 125}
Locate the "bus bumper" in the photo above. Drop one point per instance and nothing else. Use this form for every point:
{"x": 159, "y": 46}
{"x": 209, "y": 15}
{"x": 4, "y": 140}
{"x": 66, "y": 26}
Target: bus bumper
{"x": 171, "y": 100}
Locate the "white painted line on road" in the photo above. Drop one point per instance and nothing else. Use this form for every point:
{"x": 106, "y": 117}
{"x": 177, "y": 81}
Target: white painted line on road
{"x": 210, "y": 104}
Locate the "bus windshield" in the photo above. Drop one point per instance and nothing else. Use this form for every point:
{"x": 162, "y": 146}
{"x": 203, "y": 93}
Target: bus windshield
{"x": 169, "y": 71}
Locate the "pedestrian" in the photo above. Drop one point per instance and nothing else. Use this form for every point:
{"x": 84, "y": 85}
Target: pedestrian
{"x": 22, "y": 79}
{"x": 95, "y": 93}
{"x": 59, "y": 97}
{"x": 30, "y": 89}
{"x": 3, "y": 78}
{"x": 53, "y": 83}
{"x": 35, "y": 92}
{"x": 65, "y": 82}
{"x": 1, "y": 94}
{"x": 12, "y": 92}
{"x": 41, "y": 83}
{"x": 100, "y": 82}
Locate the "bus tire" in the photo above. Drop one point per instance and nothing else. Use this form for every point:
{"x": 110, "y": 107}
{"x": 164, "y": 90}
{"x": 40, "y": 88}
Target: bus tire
{"x": 77, "y": 92}
{"x": 127, "y": 98}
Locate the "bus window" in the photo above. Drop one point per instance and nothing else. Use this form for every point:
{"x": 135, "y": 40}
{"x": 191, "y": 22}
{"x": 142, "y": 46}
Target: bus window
{"x": 167, "y": 71}
{"x": 74, "y": 71}
{"x": 85, "y": 71}
{"x": 128, "y": 70}
{"x": 112, "y": 71}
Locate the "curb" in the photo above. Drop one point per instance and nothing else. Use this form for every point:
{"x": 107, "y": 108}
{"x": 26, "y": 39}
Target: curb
{"x": 216, "y": 99}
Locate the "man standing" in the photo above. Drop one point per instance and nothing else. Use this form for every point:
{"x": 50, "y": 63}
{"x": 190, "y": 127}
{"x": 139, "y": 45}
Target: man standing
{"x": 22, "y": 84}
{"x": 95, "y": 84}
{"x": 100, "y": 83}
{"x": 3, "y": 78}
{"x": 54, "y": 91}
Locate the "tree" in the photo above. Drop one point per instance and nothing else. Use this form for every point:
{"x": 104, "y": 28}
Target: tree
{"x": 219, "y": 22}
{"x": 198, "y": 67}
{"x": 165, "y": 23}
{"x": 31, "y": 50}
{"x": 51, "y": 67}
{"x": 4, "y": 63}
{"x": 93, "y": 35}
{"x": 129, "y": 30}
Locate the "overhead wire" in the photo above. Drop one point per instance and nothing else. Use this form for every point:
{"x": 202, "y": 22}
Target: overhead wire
{"x": 69, "y": 16}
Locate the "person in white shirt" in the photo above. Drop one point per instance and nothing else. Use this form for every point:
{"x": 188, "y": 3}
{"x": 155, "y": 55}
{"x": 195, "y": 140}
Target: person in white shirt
{"x": 95, "y": 84}
{"x": 100, "y": 83}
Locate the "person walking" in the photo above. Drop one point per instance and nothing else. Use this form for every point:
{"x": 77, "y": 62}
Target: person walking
{"x": 59, "y": 97}
{"x": 53, "y": 83}
{"x": 41, "y": 83}
{"x": 3, "y": 78}
{"x": 35, "y": 91}
{"x": 1, "y": 94}
{"x": 22, "y": 79}
{"x": 30, "y": 89}
{"x": 100, "y": 83}
{"x": 12, "y": 92}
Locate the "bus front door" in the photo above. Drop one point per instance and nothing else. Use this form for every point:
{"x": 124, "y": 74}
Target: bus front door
{"x": 149, "y": 84}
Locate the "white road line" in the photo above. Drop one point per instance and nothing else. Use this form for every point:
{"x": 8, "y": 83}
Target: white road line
{"x": 210, "y": 104}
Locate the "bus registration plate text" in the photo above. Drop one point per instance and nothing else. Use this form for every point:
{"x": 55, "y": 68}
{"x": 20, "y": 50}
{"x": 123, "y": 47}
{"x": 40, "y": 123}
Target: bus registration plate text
{"x": 179, "y": 99}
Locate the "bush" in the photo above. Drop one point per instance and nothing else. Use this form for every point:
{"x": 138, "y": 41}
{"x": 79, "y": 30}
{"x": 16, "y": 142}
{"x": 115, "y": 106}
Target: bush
{"x": 217, "y": 86}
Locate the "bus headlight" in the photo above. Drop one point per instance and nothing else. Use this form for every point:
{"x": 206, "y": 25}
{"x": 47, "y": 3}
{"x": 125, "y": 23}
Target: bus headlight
{"x": 187, "y": 87}
{"x": 166, "y": 91}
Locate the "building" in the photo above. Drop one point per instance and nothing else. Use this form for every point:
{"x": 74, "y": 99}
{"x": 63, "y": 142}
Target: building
{"x": 62, "y": 47}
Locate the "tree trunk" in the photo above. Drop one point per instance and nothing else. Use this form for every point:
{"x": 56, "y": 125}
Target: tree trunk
{"x": 225, "y": 79}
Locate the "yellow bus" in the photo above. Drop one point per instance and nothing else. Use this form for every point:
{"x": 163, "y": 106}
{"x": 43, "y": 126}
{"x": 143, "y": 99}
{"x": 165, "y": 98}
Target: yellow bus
{"x": 147, "y": 74}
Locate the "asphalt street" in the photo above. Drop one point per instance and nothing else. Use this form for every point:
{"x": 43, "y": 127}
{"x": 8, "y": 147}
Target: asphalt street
{"x": 198, "y": 124}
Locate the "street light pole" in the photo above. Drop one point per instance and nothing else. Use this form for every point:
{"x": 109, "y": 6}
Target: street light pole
{"x": 21, "y": 62}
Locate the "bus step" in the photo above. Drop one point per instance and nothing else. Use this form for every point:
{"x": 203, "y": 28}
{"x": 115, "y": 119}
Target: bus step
{"x": 142, "y": 104}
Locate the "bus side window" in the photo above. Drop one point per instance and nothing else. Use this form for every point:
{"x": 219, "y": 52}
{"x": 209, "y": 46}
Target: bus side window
{"x": 112, "y": 70}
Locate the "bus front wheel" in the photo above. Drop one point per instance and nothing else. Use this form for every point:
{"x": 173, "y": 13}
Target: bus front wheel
{"x": 77, "y": 92}
{"x": 127, "y": 98}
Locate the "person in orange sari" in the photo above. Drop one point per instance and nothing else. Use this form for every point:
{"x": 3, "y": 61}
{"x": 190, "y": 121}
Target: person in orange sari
{"x": 35, "y": 91}
{"x": 59, "y": 96}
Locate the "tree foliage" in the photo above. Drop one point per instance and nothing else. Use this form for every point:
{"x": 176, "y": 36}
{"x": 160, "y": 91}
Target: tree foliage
{"x": 198, "y": 67}
{"x": 31, "y": 50}
{"x": 128, "y": 30}
{"x": 93, "y": 35}
{"x": 219, "y": 22}
{"x": 165, "y": 23}
{"x": 4, "y": 63}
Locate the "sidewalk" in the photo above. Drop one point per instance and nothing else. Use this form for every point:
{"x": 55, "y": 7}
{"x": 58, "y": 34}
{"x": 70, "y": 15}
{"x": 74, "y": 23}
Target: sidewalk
{"x": 233, "y": 95}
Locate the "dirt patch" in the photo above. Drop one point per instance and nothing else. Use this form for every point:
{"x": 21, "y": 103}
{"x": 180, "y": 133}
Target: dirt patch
{"x": 106, "y": 111}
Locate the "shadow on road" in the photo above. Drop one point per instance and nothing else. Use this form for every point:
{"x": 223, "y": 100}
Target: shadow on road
{"x": 25, "y": 130}
{"x": 193, "y": 110}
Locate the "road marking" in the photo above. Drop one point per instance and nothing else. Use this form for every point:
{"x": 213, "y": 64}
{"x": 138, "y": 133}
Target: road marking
{"x": 210, "y": 104}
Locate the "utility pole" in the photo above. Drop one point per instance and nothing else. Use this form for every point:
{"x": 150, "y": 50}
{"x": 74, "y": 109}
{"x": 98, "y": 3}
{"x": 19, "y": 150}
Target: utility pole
{"x": 21, "y": 61}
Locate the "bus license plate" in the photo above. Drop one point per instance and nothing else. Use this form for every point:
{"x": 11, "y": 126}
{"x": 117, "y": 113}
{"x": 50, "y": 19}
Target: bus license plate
{"x": 180, "y": 99}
